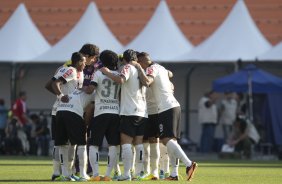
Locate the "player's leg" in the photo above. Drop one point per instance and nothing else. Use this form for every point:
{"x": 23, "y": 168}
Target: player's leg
{"x": 170, "y": 120}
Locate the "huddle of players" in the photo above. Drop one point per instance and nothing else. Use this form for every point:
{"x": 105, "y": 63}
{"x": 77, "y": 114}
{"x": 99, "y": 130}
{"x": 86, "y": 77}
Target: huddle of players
{"x": 122, "y": 98}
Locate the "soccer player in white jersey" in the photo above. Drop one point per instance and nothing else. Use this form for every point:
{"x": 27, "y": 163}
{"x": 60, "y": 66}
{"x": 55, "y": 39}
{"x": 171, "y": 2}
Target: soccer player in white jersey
{"x": 74, "y": 81}
{"x": 133, "y": 112}
{"x": 151, "y": 140}
{"x": 169, "y": 111}
{"x": 70, "y": 127}
{"x": 106, "y": 116}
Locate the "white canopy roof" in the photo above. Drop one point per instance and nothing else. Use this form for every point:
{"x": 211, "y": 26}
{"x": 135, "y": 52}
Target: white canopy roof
{"x": 237, "y": 38}
{"x": 161, "y": 37}
{"x": 20, "y": 39}
{"x": 91, "y": 28}
{"x": 274, "y": 54}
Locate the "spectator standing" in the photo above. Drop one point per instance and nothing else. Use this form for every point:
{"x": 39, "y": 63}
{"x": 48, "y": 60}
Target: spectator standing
{"x": 19, "y": 111}
{"x": 3, "y": 120}
{"x": 207, "y": 115}
{"x": 227, "y": 113}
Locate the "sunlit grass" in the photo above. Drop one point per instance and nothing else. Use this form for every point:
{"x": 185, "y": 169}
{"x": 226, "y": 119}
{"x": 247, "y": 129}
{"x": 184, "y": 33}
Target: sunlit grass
{"x": 39, "y": 169}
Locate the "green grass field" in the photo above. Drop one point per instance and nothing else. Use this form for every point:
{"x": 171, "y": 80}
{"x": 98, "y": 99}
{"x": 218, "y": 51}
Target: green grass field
{"x": 38, "y": 170}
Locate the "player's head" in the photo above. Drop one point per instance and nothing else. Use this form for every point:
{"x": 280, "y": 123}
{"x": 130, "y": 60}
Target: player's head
{"x": 22, "y": 95}
{"x": 109, "y": 59}
{"x": 129, "y": 55}
{"x": 78, "y": 61}
{"x": 144, "y": 59}
{"x": 91, "y": 52}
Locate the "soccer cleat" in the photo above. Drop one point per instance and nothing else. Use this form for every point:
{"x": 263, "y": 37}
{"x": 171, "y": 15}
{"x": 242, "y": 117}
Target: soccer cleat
{"x": 95, "y": 178}
{"x": 83, "y": 179}
{"x": 191, "y": 170}
{"x": 106, "y": 178}
{"x": 64, "y": 178}
{"x": 75, "y": 178}
{"x": 172, "y": 178}
{"x": 162, "y": 175}
{"x": 124, "y": 178}
{"x": 116, "y": 176}
{"x": 55, "y": 177}
{"x": 148, "y": 177}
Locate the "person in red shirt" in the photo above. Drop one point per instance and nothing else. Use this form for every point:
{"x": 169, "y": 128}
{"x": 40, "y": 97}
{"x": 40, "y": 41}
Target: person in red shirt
{"x": 19, "y": 109}
{"x": 21, "y": 119}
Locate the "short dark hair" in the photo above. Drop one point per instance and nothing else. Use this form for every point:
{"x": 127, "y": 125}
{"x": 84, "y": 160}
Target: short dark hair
{"x": 76, "y": 57}
{"x": 2, "y": 101}
{"x": 89, "y": 50}
{"x": 109, "y": 59}
{"x": 22, "y": 93}
{"x": 143, "y": 55}
{"x": 129, "y": 55}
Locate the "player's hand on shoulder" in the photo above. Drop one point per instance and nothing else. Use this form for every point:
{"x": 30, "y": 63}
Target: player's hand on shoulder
{"x": 104, "y": 70}
{"x": 65, "y": 99}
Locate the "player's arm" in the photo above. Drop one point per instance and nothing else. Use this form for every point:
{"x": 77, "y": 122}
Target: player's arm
{"x": 57, "y": 90}
{"x": 117, "y": 78}
{"x": 170, "y": 74}
{"x": 88, "y": 113}
{"x": 49, "y": 87}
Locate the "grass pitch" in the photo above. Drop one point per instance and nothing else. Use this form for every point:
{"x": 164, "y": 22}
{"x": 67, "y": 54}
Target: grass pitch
{"x": 19, "y": 169}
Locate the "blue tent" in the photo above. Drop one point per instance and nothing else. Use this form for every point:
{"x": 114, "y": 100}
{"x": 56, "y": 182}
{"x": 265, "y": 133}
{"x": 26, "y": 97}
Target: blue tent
{"x": 249, "y": 79}
{"x": 254, "y": 80}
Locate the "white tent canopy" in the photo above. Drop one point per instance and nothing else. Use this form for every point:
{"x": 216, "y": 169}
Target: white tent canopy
{"x": 91, "y": 28}
{"x": 161, "y": 37}
{"x": 237, "y": 38}
{"x": 20, "y": 39}
{"x": 274, "y": 54}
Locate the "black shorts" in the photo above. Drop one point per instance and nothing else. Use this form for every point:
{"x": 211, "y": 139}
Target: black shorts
{"x": 169, "y": 123}
{"x": 69, "y": 127}
{"x": 105, "y": 125}
{"x": 132, "y": 125}
{"x": 53, "y": 126}
{"x": 151, "y": 127}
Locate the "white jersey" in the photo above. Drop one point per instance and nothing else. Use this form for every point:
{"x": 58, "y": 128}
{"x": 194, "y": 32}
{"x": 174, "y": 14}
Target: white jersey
{"x": 161, "y": 87}
{"x": 78, "y": 100}
{"x": 133, "y": 102}
{"x": 107, "y": 94}
{"x": 228, "y": 115}
{"x": 74, "y": 80}
{"x": 152, "y": 106}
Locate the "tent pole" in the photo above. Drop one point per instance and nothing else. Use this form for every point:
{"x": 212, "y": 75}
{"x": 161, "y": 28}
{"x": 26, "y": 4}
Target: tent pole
{"x": 187, "y": 101}
{"x": 250, "y": 92}
{"x": 13, "y": 82}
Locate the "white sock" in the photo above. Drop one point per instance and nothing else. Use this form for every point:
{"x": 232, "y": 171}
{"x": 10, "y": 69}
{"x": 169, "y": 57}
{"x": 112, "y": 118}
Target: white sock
{"x": 82, "y": 157}
{"x": 155, "y": 158}
{"x": 71, "y": 153}
{"x": 174, "y": 162}
{"x": 116, "y": 165}
{"x": 133, "y": 159}
{"x": 112, "y": 156}
{"x": 177, "y": 151}
{"x": 127, "y": 158}
{"x": 56, "y": 162}
{"x": 146, "y": 157}
{"x": 64, "y": 157}
{"x": 94, "y": 159}
{"x": 139, "y": 158}
{"x": 164, "y": 159}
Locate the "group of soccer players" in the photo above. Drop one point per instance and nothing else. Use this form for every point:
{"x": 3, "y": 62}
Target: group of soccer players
{"x": 127, "y": 99}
